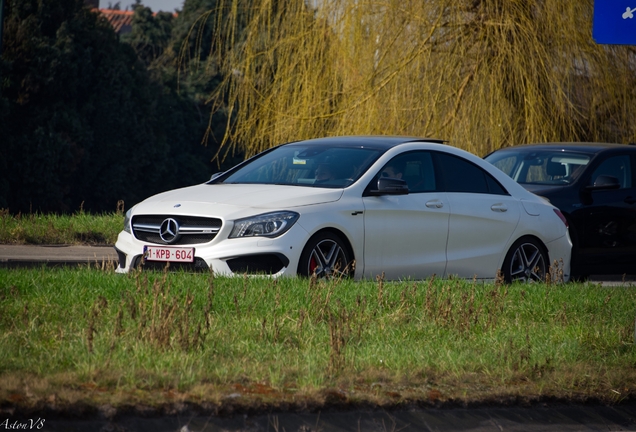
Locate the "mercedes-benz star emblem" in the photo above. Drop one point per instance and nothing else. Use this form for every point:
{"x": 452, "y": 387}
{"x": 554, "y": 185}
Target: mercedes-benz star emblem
{"x": 169, "y": 230}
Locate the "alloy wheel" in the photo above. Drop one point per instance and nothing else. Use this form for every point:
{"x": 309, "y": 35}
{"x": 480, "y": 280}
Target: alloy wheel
{"x": 527, "y": 264}
{"x": 328, "y": 259}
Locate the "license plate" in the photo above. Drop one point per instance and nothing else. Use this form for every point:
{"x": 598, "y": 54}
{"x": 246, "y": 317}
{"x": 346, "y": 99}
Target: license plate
{"x": 172, "y": 254}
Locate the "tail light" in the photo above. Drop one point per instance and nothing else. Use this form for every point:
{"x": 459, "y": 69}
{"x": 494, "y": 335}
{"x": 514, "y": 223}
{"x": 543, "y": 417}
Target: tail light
{"x": 560, "y": 215}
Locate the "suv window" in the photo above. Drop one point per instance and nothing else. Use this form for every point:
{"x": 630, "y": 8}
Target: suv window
{"x": 544, "y": 167}
{"x": 616, "y": 166}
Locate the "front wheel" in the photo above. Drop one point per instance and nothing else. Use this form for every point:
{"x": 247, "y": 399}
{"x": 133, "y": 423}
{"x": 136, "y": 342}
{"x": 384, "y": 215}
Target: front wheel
{"x": 325, "y": 255}
{"x": 526, "y": 262}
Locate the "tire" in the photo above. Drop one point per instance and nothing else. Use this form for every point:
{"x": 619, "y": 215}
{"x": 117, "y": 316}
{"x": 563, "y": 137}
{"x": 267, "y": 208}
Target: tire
{"x": 526, "y": 262}
{"x": 326, "y": 255}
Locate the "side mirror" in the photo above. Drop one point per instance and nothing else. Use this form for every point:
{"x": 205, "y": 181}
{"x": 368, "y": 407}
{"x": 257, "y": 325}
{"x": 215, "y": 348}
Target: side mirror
{"x": 215, "y": 175}
{"x": 605, "y": 182}
{"x": 390, "y": 186}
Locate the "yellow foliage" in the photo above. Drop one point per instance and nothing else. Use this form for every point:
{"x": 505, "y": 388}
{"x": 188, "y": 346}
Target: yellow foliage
{"x": 482, "y": 74}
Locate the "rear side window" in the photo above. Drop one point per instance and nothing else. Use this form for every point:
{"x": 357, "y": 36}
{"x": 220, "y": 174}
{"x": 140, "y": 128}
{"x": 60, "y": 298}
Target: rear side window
{"x": 462, "y": 176}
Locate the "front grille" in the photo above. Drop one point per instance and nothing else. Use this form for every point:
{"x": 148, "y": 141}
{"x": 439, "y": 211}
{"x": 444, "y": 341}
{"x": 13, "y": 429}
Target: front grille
{"x": 191, "y": 229}
{"x": 258, "y": 264}
{"x": 198, "y": 265}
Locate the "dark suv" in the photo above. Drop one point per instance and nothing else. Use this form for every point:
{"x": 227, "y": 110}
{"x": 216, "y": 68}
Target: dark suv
{"x": 594, "y": 185}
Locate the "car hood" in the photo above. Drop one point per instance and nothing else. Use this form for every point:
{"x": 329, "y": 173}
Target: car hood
{"x": 233, "y": 199}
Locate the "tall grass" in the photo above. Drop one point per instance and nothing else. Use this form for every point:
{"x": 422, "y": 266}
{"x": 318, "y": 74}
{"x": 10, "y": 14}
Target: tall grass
{"x": 481, "y": 74}
{"x": 76, "y": 228}
{"x": 68, "y": 332}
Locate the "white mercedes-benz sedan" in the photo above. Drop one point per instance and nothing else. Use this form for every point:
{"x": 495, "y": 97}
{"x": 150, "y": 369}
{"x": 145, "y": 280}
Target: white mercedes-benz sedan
{"x": 354, "y": 206}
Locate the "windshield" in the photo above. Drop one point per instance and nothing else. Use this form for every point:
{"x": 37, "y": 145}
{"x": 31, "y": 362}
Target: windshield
{"x": 551, "y": 167}
{"x": 305, "y": 165}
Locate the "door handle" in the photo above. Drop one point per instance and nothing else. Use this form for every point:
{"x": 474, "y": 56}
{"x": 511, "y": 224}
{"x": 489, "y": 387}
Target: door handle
{"x": 434, "y": 204}
{"x": 630, "y": 200}
{"x": 499, "y": 208}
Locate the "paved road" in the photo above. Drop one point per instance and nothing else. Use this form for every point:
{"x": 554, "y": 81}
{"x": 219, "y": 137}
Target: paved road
{"x": 558, "y": 418}
{"x": 14, "y": 256}
{"x": 58, "y": 255}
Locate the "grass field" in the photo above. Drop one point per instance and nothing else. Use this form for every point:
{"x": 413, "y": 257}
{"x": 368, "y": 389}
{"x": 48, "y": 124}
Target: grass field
{"x": 76, "y": 228}
{"x": 91, "y": 336}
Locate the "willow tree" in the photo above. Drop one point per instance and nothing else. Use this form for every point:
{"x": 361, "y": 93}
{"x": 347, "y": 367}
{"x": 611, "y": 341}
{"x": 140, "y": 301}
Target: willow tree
{"x": 481, "y": 74}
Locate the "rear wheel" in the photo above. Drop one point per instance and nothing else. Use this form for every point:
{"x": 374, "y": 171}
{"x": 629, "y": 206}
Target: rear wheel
{"x": 526, "y": 261}
{"x": 326, "y": 255}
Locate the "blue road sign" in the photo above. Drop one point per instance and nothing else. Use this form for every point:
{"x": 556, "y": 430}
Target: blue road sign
{"x": 614, "y": 22}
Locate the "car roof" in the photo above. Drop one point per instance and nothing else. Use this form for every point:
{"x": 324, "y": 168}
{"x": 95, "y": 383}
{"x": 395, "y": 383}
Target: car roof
{"x": 581, "y": 147}
{"x": 371, "y": 141}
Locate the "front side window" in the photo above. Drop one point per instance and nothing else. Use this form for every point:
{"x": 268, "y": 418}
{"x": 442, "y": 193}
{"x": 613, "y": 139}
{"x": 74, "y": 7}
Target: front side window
{"x": 616, "y": 166}
{"x": 305, "y": 165}
{"x": 415, "y": 168}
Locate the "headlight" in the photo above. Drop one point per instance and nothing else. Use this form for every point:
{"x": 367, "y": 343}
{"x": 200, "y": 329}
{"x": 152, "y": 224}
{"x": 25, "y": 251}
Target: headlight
{"x": 265, "y": 225}
{"x": 127, "y": 221}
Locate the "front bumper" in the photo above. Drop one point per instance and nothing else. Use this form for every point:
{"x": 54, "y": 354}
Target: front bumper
{"x": 253, "y": 255}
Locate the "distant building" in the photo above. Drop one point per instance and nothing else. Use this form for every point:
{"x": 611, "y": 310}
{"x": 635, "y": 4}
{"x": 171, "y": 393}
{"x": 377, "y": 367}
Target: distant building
{"x": 119, "y": 19}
